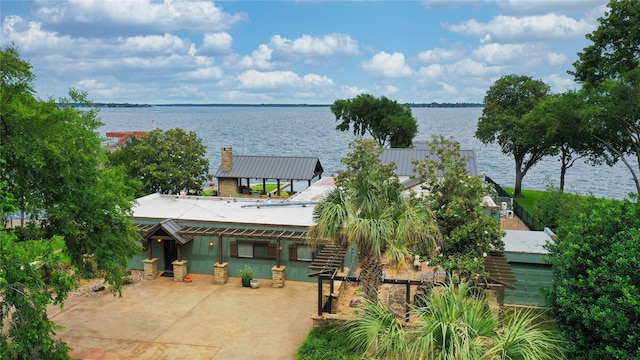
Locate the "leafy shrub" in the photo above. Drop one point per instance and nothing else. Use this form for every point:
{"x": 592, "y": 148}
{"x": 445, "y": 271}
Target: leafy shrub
{"x": 324, "y": 343}
{"x": 595, "y": 294}
{"x": 555, "y": 207}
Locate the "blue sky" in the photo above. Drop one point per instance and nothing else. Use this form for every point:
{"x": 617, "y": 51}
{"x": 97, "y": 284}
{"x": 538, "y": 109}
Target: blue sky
{"x": 292, "y": 52}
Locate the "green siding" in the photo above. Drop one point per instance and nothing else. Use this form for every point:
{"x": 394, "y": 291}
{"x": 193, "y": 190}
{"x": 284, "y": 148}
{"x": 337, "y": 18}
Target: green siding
{"x": 524, "y": 258}
{"x": 202, "y": 257}
{"x": 531, "y": 277}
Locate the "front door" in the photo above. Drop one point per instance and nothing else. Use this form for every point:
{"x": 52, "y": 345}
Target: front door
{"x": 170, "y": 255}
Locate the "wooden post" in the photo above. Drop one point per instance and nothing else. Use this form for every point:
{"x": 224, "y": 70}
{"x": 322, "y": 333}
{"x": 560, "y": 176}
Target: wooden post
{"x": 319, "y": 295}
{"x": 220, "y": 249}
{"x": 278, "y": 250}
{"x": 278, "y": 189}
{"x": 149, "y": 255}
{"x": 179, "y": 252}
{"x": 331, "y": 295}
{"x": 407, "y": 300}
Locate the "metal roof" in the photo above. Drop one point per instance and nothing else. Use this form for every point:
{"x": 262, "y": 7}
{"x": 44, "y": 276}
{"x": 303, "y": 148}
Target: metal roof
{"x": 403, "y": 159}
{"x": 272, "y": 167}
{"x": 167, "y": 226}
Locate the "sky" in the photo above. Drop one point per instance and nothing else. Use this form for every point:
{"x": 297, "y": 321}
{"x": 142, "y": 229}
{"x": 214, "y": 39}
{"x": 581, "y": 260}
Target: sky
{"x": 294, "y": 52}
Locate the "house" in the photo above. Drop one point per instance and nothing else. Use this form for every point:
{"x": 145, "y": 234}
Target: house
{"x": 236, "y": 168}
{"x": 204, "y": 235}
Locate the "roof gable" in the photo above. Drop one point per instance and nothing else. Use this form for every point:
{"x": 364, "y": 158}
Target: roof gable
{"x": 169, "y": 227}
{"x": 272, "y": 167}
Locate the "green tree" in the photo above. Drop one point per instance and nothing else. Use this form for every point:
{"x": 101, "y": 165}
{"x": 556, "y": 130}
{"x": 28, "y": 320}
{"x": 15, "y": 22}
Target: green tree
{"x": 454, "y": 325}
{"x": 28, "y": 332}
{"x": 595, "y": 294}
{"x": 564, "y": 116}
{"x": 369, "y": 210}
{"x": 54, "y": 165}
{"x": 455, "y": 198}
{"x": 504, "y": 121}
{"x": 388, "y": 122}
{"x": 609, "y": 71}
{"x": 167, "y": 162}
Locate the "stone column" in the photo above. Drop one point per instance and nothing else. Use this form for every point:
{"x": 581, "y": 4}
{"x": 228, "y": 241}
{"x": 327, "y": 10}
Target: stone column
{"x": 277, "y": 275}
{"x": 179, "y": 270}
{"x": 150, "y": 268}
{"x": 220, "y": 273}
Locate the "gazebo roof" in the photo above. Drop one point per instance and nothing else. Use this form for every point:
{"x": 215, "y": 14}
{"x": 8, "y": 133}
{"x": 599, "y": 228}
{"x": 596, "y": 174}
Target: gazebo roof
{"x": 272, "y": 167}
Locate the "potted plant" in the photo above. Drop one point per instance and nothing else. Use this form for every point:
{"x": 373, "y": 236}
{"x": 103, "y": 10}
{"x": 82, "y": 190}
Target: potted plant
{"x": 246, "y": 273}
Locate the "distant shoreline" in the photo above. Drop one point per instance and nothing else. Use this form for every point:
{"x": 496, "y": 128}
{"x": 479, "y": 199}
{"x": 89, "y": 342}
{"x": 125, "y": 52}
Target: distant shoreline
{"x": 127, "y": 105}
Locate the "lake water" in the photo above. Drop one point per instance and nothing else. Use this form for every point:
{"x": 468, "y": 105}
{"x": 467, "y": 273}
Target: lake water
{"x": 310, "y": 131}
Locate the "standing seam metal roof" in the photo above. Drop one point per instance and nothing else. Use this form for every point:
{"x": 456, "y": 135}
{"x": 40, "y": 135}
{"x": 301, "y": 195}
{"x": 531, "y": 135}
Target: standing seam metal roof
{"x": 272, "y": 167}
{"x": 403, "y": 158}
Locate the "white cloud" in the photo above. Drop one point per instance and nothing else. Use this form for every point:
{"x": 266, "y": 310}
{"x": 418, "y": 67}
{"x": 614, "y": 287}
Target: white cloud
{"x": 529, "y": 28}
{"x": 547, "y": 6}
{"x": 252, "y": 79}
{"x": 390, "y": 89}
{"x": 217, "y": 42}
{"x": 431, "y": 71}
{"x": 554, "y": 59}
{"x": 471, "y": 68}
{"x": 153, "y": 44}
{"x": 30, "y": 37}
{"x": 168, "y": 15}
{"x": 327, "y": 45}
{"x": 501, "y": 54}
{"x": 260, "y": 58}
{"x": 314, "y": 81}
{"x": 268, "y": 80}
{"x": 388, "y": 65}
{"x": 209, "y": 73}
{"x": 352, "y": 91}
{"x": 560, "y": 83}
{"x": 448, "y": 89}
{"x": 438, "y": 55}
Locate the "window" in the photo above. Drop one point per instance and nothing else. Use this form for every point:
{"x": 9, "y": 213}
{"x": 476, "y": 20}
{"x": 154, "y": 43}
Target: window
{"x": 253, "y": 250}
{"x": 302, "y": 252}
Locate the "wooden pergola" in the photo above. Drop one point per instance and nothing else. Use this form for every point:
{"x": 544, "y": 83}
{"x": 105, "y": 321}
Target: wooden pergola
{"x": 331, "y": 260}
{"x": 278, "y": 235}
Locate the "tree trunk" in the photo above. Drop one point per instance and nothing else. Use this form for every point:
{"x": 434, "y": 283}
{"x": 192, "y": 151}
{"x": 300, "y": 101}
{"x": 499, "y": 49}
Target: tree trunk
{"x": 517, "y": 191}
{"x": 371, "y": 276}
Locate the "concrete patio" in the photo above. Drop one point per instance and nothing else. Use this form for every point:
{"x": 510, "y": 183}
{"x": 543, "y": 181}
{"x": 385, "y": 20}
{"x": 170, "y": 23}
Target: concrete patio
{"x": 163, "y": 319}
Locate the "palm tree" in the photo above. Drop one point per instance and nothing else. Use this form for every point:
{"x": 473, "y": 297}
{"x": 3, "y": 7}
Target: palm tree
{"x": 454, "y": 325}
{"x": 369, "y": 210}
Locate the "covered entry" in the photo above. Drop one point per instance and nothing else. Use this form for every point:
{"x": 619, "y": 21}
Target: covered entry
{"x": 166, "y": 242}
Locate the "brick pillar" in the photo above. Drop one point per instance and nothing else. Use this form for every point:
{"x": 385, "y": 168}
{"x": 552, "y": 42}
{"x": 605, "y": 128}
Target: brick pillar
{"x": 150, "y": 268}
{"x": 220, "y": 273}
{"x": 277, "y": 275}
{"x": 227, "y": 158}
{"x": 179, "y": 270}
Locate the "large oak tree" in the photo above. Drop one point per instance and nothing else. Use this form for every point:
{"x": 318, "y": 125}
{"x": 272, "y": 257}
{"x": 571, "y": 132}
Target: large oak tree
{"x": 504, "y": 121}
{"x": 609, "y": 70}
{"x": 167, "y": 162}
{"x": 387, "y": 121}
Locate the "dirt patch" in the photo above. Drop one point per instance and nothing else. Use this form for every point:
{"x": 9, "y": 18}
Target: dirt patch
{"x": 86, "y": 286}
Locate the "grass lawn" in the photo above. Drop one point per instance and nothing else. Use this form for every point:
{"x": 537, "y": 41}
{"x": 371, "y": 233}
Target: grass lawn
{"x": 258, "y": 187}
{"x": 529, "y": 199}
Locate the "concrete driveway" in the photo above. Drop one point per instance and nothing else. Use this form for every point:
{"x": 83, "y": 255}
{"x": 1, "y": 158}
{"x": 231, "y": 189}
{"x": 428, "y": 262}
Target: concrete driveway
{"x": 163, "y": 319}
